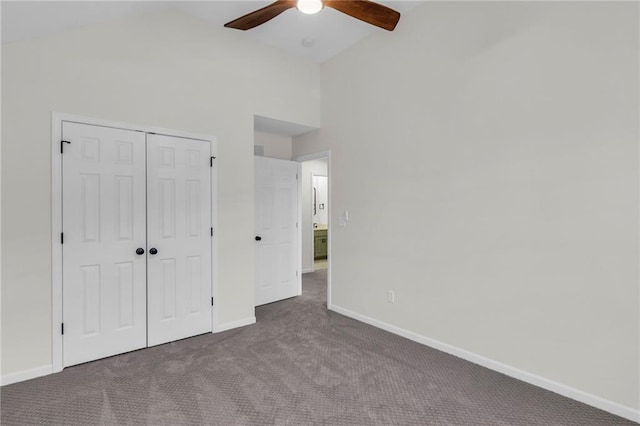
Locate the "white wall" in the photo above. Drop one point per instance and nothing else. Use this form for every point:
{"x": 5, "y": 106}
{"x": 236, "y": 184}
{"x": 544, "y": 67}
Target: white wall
{"x": 167, "y": 70}
{"x": 309, "y": 168}
{"x": 275, "y": 146}
{"x": 498, "y": 143}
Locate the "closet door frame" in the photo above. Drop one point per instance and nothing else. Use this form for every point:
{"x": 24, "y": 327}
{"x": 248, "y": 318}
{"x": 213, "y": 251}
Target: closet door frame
{"x": 57, "y": 118}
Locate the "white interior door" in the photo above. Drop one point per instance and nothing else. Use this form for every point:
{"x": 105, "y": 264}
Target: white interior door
{"x": 276, "y": 204}
{"x": 104, "y": 223}
{"x": 179, "y": 238}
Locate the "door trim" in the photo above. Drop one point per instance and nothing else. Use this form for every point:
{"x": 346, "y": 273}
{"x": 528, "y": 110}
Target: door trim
{"x": 317, "y": 156}
{"x": 299, "y": 228}
{"x": 57, "y": 118}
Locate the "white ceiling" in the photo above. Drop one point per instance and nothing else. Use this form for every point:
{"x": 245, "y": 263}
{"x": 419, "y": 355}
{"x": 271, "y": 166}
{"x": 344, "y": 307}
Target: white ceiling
{"x": 331, "y": 30}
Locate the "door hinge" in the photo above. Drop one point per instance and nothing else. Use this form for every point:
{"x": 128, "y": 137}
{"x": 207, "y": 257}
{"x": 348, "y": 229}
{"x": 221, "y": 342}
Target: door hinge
{"x": 296, "y": 273}
{"x": 62, "y": 146}
{"x": 62, "y": 328}
{"x": 212, "y": 301}
{"x": 62, "y": 238}
{"x": 211, "y": 161}
{"x": 212, "y": 232}
{"x": 296, "y": 176}
{"x": 296, "y": 224}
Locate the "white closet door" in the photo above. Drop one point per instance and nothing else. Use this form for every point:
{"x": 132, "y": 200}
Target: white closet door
{"x": 276, "y": 204}
{"x": 179, "y": 238}
{"x": 104, "y": 222}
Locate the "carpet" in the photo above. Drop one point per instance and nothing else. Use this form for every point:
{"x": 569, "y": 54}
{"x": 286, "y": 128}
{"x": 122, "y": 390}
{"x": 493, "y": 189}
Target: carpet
{"x": 298, "y": 365}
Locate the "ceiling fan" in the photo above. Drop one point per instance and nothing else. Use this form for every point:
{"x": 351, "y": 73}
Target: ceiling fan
{"x": 364, "y": 10}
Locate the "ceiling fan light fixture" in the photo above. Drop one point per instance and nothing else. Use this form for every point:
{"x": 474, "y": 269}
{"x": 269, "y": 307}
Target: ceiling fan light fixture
{"x": 309, "y": 6}
{"x": 364, "y": 10}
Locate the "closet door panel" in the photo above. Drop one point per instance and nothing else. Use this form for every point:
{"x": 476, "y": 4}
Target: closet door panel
{"x": 104, "y": 223}
{"x": 179, "y": 233}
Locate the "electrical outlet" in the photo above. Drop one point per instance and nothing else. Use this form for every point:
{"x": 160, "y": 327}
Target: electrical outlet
{"x": 391, "y": 296}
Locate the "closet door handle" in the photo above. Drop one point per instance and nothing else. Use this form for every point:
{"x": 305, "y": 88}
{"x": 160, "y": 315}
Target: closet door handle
{"x": 153, "y": 251}
{"x": 258, "y": 238}
{"x": 140, "y": 251}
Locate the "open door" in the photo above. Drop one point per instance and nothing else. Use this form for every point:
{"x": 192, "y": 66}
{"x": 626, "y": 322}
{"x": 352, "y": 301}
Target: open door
{"x": 276, "y": 216}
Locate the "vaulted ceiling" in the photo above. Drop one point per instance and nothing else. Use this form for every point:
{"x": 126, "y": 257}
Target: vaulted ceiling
{"x": 316, "y": 37}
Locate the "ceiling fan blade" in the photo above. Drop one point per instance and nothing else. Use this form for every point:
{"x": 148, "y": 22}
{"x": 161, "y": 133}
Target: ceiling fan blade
{"x": 367, "y": 11}
{"x": 260, "y": 16}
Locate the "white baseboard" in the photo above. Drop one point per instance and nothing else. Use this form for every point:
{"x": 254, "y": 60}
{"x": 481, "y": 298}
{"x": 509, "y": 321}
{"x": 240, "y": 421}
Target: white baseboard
{"x": 307, "y": 270}
{"x": 21, "y": 376}
{"x": 32, "y": 373}
{"x": 234, "y": 324}
{"x": 564, "y": 390}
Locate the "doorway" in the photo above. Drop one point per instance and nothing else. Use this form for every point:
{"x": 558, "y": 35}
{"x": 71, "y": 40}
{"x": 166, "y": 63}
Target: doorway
{"x": 316, "y": 218}
{"x": 319, "y": 209}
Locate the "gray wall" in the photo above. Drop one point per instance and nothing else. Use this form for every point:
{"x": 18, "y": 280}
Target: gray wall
{"x": 167, "y": 70}
{"x": 275, "y": 146}
{"x": 488, "y": 156}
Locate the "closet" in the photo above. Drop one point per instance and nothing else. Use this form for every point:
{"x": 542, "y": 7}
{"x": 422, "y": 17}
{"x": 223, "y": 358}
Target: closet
{"x": 136, "y": 241}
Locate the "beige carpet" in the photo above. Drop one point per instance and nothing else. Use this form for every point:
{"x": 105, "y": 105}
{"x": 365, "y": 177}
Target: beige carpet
{"x": 299, "y": 365}
{"x": 320, "y": 264}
